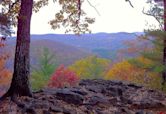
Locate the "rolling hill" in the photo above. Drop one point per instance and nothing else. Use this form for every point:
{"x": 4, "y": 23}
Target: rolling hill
{"x": 104, "y": 45}
{"x": 69, "y": 47}
{"x": 64, "y": 54}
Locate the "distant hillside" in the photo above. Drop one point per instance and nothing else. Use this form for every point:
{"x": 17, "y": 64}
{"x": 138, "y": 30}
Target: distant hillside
{"x": 64, "y": 54}
{"x": 89, "y": 41}
{"x": 103, "y": 44}
{"x": 69, "y": 47}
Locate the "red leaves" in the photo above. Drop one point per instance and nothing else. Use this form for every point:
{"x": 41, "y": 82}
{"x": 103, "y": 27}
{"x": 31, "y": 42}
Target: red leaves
{"x": 63, "y": 77}
{"x": 162, "y": 112}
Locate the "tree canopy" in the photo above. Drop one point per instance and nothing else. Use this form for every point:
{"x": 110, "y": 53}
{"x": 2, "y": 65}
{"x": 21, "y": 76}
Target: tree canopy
{"x": 70, "y": 15}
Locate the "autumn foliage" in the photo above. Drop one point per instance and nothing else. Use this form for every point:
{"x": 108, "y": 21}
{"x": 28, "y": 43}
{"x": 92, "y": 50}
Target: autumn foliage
{"x": 134, "y": 48}
{"x": 5, "y": 74}
{"x": 91, "y": 67}
{"x": 126, "y": 71}
{"x": 63, "y": 77}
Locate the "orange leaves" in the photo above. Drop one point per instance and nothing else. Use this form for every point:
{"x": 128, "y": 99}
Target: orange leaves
{"x": 121, "y": 71}
{"x": 63, "y": 77}
{"x": 2, "y": 45}
{"x": 5, "y": 77}
{"x": 5, "y": 74}
{"x": 126, "y": 71}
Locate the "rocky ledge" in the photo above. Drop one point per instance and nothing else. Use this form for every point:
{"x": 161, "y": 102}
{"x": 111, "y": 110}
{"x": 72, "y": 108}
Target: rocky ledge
{"x": 91, "y": 97}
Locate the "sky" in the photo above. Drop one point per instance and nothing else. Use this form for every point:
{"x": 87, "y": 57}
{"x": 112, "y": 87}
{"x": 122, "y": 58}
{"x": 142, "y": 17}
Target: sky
{"x": 115, "y": 16}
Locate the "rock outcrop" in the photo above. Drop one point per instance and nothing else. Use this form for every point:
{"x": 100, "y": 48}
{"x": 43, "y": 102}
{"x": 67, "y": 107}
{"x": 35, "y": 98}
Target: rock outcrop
{"x": 91, "y": 97}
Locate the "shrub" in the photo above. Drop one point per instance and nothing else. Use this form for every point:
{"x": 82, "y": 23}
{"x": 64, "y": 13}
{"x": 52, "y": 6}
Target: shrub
{"x": 41, "y": 75}
{"x": 63, "y": 77}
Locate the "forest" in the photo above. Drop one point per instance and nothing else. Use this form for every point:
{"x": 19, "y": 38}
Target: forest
{"x": 32, "y": 64}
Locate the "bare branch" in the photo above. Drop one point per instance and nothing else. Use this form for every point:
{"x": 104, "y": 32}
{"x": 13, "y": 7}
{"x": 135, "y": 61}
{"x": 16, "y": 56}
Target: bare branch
{"x": 155, "y": 16}
{"x": 93, "y": 7}
{"x": 130, "y": 3}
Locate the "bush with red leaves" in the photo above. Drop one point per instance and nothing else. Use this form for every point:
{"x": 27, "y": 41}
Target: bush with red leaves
{"x": 63, "y": 77}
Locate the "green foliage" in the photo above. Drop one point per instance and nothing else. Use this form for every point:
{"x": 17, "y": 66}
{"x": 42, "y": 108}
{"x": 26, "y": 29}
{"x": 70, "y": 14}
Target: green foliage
{"x": 90, "y": 67}
{"x": 159, "y": 37}
{"x": 47, "y": 62}
{"x": 41, "y": 75}
{"x": 154, "y": 54}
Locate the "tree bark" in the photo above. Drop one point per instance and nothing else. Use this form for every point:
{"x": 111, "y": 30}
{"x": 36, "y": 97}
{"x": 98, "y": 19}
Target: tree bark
{"x": 20, "y": 81}
{"x": 164, "y": 48}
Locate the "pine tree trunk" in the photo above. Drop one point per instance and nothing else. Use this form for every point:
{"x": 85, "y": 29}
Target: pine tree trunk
{"x": 20, "y": 81}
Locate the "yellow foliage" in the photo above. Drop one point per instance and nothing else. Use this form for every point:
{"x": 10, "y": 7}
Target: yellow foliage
{"x": 90, "y": 67}
{"x": 144, "y": 60}
{"x": 127, "y": 72}
{"x": 121, "y": 71}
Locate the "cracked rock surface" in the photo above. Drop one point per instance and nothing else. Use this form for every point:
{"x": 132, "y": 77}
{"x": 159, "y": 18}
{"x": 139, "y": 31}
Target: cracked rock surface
{"x": 91, "y": 97}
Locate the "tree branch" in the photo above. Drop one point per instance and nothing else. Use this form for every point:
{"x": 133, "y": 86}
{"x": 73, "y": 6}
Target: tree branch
{"x": 130, "y": 3}
{"x": 93, "y": 7}
{"x": 79, "y": 8}
{"x": 155, "y": 16}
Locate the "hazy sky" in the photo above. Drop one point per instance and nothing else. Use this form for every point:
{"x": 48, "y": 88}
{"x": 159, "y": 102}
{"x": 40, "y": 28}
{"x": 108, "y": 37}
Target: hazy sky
{"x": 115, "y": 16}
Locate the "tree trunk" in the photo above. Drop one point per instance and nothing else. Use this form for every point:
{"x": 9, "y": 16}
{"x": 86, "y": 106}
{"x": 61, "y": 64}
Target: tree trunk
{"x": 164, "y": 48}
{"x": 20, "y": 81}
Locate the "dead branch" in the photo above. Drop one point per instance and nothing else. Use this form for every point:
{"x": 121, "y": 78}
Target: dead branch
{"x": 130, "y": 3}
{"x": 93, "y": 7}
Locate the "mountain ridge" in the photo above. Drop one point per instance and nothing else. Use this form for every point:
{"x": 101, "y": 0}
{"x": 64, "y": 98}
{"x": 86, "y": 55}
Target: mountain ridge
{"x": 96, "y": 43}
{"x": 105, "y": 45}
